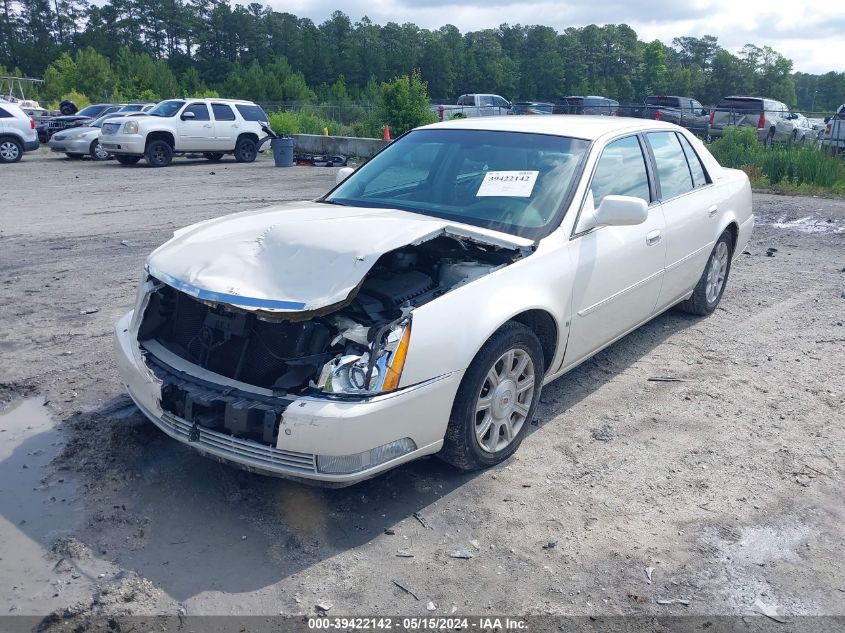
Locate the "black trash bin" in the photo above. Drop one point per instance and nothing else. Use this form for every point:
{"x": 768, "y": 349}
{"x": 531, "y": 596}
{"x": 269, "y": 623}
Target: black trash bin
{"x": 282, "y": 151}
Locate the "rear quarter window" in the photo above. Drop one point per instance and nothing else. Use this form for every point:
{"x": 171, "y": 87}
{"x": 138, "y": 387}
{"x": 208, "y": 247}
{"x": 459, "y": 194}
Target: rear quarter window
{"x": 251, "y": 112}
{"x": 4, "y": 114}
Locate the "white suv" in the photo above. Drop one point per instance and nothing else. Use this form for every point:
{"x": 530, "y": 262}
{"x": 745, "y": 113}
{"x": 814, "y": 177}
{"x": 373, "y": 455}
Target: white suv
{"x": 17, "y": 133}
{"x": 212, "y": 127}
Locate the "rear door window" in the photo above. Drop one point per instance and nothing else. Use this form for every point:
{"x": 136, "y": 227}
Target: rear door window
{"x": 222, "y": 112}
{"x": 673, "y": 172}
{"x": 741, "y": 105}
{"x": 621, "y": 171}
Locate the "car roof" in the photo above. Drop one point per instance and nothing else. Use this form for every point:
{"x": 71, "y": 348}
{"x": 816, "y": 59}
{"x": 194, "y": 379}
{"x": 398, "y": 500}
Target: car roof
{"x": 576, "y": 126}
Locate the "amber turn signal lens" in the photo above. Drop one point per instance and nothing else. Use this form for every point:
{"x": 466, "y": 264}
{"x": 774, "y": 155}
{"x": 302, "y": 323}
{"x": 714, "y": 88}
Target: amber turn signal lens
{"x": 394, "y": 371}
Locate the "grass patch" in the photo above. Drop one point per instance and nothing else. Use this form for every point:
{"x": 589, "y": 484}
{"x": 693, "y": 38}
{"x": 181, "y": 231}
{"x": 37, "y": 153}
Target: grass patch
{"x": 307, "y": 122}
{"x": 788, "y": 168}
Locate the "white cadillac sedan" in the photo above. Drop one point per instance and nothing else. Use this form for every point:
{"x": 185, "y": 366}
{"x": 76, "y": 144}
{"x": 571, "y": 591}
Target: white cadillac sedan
{"x": 423, "y": 303}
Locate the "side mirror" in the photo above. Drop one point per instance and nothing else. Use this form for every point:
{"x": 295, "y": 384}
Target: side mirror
{"x": 188, "y": 116}
{"x": 342, "y": 174}
{"x": 621, "y": 211}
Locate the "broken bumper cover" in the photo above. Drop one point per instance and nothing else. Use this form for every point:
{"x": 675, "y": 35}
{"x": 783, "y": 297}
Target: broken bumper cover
{"x": 334, "y": 441}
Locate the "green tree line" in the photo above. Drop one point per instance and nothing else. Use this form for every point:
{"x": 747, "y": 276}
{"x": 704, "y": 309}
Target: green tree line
{"x": 134, "y": 49}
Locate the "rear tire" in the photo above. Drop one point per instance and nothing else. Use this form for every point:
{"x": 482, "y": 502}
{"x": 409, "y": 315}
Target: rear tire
{"x": 245, "y": 150}
{"x": 711, "y": 286}
{"x": 159, "y": 154}
{"x": 10, "y": 150}
{"x": 127, "y": 160}
{"x": 496, "y": 400}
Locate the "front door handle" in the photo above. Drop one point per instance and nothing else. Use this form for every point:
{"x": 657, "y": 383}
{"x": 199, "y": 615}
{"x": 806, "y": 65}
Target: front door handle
{"x": 652, "y": 238}
{"x": 207, "y": 125}
{"x": 712, "y": 211}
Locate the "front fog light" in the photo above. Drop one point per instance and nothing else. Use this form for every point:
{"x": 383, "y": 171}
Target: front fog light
{"x": 347, "y": 464}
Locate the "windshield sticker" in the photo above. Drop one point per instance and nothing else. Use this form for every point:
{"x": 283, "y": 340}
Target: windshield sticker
{"x": 518, "y": 184}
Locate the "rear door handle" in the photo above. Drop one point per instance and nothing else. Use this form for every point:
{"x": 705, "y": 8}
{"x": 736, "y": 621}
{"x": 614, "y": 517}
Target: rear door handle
{"x": 652, "y": 238}
{"x": 712, "y": 211}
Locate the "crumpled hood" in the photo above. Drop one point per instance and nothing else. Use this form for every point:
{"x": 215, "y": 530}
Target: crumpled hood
{"x": 296, "y": 257}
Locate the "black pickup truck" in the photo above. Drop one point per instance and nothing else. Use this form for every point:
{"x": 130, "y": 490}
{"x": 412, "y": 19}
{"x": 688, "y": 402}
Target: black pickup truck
{"x": 683, "y": 111}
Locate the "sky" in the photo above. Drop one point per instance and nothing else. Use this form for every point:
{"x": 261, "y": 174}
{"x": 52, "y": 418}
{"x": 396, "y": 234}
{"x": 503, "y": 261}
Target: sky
{"x": 809, "y": 32}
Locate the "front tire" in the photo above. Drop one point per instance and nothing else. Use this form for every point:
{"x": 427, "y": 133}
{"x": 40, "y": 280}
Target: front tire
{"x": 97, "y": 152}
{"x": 245, "y": 150}
{"x": 710, "y": 287}
{"x": 127, "y": 160}
{"x": 159, "y": 154}
{"x": 496, "y": 400}
{"x": 10, "y": 150}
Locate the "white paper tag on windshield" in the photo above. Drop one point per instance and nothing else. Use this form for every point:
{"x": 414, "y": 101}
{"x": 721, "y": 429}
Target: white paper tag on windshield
{"x": 518, "y": 184}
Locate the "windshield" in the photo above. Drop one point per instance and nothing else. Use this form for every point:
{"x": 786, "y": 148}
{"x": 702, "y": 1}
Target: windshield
{"x": 167, "y": 108}
{"x": 507, "y": 181}
{"x": 91, "y": 110}
{"x": 99, "y": 122}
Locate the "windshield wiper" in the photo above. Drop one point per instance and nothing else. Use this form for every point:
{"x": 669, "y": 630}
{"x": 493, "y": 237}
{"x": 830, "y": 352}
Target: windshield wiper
{"x": 340, "y": 204}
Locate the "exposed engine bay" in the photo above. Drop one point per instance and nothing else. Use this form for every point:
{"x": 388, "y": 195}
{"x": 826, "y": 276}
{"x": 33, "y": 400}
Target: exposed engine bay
{"x": 347, "y": 351}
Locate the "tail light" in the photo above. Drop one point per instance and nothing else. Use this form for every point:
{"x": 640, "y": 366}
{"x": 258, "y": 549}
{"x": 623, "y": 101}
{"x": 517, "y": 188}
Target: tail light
{"x": 616, "y": 113}
{"x": 761, "y": 123}
{"x": 32, "y": 124}
{"x": 712, "y": 117}
{"x": 657, "y": 115}
{"x": 827, "y": 129}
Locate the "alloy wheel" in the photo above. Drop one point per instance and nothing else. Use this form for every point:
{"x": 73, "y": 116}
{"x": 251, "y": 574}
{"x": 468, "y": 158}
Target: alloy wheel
{"x": 504, "y": 400}
{"x": 9, "y": 151}
{"x": 716, "y": 272}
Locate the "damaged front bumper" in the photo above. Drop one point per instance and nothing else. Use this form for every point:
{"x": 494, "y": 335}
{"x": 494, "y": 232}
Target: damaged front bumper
{"x": 327, "y": 439}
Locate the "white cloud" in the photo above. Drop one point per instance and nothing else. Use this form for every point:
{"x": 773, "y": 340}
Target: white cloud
{"x": 810, "y": 32}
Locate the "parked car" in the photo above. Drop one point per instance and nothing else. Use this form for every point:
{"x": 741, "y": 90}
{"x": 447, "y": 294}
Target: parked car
{"x": 17, "y": 133}
{"x": 83, "y": 117}
{"x": 591, "y": 104}
{"x": 803, "y": 130}
{"x": 418, "y": 311}
{"x": 683, "y": 111}
{"x": 769, "y": 117}
{"x": 473, "y": 105}
{"x": 531, "y": 107}
{"x": 84, "y": 141}
{"x": 834, "y": 132}
{"x": 212, "y": 127}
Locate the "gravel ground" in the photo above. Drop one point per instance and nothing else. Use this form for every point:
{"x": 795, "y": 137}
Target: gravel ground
{"x": 720, "y": 490}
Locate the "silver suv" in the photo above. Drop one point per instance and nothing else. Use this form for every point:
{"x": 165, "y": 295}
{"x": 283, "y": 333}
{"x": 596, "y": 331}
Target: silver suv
{"x": 834, "y": 132}
{"x": 17, "y": 133}
{"x": 771, "y": 118}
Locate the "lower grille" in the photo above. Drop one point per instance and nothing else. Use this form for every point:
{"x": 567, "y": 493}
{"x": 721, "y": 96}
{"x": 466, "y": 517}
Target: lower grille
{"x": 272, "y": 458}
{"x": 228, "y": 420}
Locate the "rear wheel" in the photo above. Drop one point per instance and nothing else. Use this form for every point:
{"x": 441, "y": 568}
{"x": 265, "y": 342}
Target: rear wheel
{"x": 213, "y": 156}
{"x": 159, "y": 154}
{"x": 245, "y": 150}
{"x": 708, "y": 292}
{"x": 496, "y": 400}
{"x": 127, "y": 160}
{"x": 10, "y": 150}
{"x": 97, "y": 151}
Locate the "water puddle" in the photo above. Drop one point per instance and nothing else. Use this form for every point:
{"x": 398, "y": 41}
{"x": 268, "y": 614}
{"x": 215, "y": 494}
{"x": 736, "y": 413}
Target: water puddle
{"x": 37, "y": 504}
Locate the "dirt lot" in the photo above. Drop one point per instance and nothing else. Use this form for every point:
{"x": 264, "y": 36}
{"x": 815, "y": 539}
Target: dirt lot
{"x": 727, "y": 486}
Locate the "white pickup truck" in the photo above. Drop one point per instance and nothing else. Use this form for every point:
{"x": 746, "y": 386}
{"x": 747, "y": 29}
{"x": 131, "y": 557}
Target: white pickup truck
{"x": 834, "y": 132}
{"x": 212, "y": 127}
{"x": 473, "y": 105}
